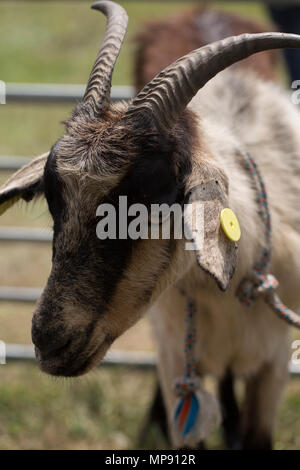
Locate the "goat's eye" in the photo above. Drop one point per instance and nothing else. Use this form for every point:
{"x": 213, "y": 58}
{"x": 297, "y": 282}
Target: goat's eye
{"x": 156, "y": 192}
{"x": 155, "y": 185}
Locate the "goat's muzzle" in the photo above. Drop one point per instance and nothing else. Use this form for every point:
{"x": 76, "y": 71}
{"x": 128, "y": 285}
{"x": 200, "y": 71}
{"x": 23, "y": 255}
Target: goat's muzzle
{"x": 64, "y": 347}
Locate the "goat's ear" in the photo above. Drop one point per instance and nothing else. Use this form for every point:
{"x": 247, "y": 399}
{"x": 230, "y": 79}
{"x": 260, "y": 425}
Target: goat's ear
{"x": 24, "y": 184}
{"x": 205, "y": 199}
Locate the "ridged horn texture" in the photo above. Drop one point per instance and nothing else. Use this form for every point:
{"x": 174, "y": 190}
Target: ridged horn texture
{"x": 167, "y": 95}
{"x": 97, "y": 94}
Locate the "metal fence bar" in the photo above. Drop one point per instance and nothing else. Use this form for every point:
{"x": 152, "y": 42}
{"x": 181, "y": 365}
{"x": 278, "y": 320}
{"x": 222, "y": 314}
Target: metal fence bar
{"x": 57, "y": 93}
{"x": 24, "y": 234}
{"x": 135, "y": 359}
{"x": 13, "y": 163}
{"x": 20, "y": 294}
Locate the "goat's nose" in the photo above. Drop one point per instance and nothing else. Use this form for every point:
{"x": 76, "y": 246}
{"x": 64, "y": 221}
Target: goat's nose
{"x": 47, "y": 340}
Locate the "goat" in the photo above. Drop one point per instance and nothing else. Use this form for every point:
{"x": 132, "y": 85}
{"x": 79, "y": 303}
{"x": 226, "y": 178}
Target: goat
{"x": 162, "y": 41}
{"x": 189, "y": 127}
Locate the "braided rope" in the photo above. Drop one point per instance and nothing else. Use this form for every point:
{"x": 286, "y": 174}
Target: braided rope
{"x": 187, "y": 383}
{"x": 260, "y": 282}
{"x": 196, "y": 410}
{"x": 186, "y": 388}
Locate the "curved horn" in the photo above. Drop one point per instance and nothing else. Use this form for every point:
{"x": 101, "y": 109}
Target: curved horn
{"x": 167, "y": 95}
{"x": 97, "y": 92}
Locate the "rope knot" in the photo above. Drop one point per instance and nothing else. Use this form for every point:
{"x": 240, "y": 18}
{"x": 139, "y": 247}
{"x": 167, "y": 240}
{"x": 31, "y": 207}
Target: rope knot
{"x": 266, "y": 282}
{"x": 257, "y": 284}
{"x": 184, "y": 386}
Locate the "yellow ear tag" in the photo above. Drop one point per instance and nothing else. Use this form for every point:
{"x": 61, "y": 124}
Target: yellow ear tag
{"x": 8, "y": 204}
{"x": 230, "y": 225}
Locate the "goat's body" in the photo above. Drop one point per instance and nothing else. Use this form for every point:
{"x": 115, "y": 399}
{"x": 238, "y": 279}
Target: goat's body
{"x": 250, "y": 341}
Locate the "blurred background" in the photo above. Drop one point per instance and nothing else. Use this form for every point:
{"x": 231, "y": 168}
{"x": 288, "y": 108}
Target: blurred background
{"x": 56, "y": 42}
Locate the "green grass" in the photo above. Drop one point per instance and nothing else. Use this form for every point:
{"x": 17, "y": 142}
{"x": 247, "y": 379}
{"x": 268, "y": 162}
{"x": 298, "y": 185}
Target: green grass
{"x": 104, "y": 410}
{"x": 56, "y": 42}
{"x": 28, "y": 130}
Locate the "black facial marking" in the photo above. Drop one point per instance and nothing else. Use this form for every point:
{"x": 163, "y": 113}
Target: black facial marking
{"x": 153, "y": 181}
{"x": 149, "y": 181}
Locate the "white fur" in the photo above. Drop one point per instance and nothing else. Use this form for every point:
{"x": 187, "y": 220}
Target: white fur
{"x": 253, "y": 342}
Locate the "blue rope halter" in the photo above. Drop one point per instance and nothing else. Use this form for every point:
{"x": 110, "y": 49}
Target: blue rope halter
{"x": 261, "y": 283}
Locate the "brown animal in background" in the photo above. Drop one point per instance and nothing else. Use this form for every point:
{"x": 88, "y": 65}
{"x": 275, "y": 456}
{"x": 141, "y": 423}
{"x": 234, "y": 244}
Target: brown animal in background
{"x": 163, "y": 41}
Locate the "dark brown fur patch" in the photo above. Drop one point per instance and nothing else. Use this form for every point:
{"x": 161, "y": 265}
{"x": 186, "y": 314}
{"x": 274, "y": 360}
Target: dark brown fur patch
{"x": 164, "y": 41}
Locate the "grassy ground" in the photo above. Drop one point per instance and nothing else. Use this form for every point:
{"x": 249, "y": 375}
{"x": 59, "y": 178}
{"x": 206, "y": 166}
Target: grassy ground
{"x": 104, "y": 410}
{"x": 56, "y": 42}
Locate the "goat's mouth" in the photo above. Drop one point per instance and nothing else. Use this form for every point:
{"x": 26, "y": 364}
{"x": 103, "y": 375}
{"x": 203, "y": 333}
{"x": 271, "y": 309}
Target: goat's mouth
{"x": 71, "y": 362}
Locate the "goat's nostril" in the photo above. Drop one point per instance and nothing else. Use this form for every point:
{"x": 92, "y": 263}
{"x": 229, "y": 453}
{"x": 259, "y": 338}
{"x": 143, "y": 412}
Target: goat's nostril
{"x": 48, "y": 342}
{"x": 54, "y": 349}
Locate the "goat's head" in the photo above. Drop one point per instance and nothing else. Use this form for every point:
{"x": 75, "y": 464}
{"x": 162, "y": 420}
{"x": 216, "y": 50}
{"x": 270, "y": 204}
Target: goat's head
{"x": 144, "y": 150}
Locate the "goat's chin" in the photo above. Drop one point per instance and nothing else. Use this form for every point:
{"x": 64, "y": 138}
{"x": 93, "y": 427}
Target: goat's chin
{"x": 65, "y": 366}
